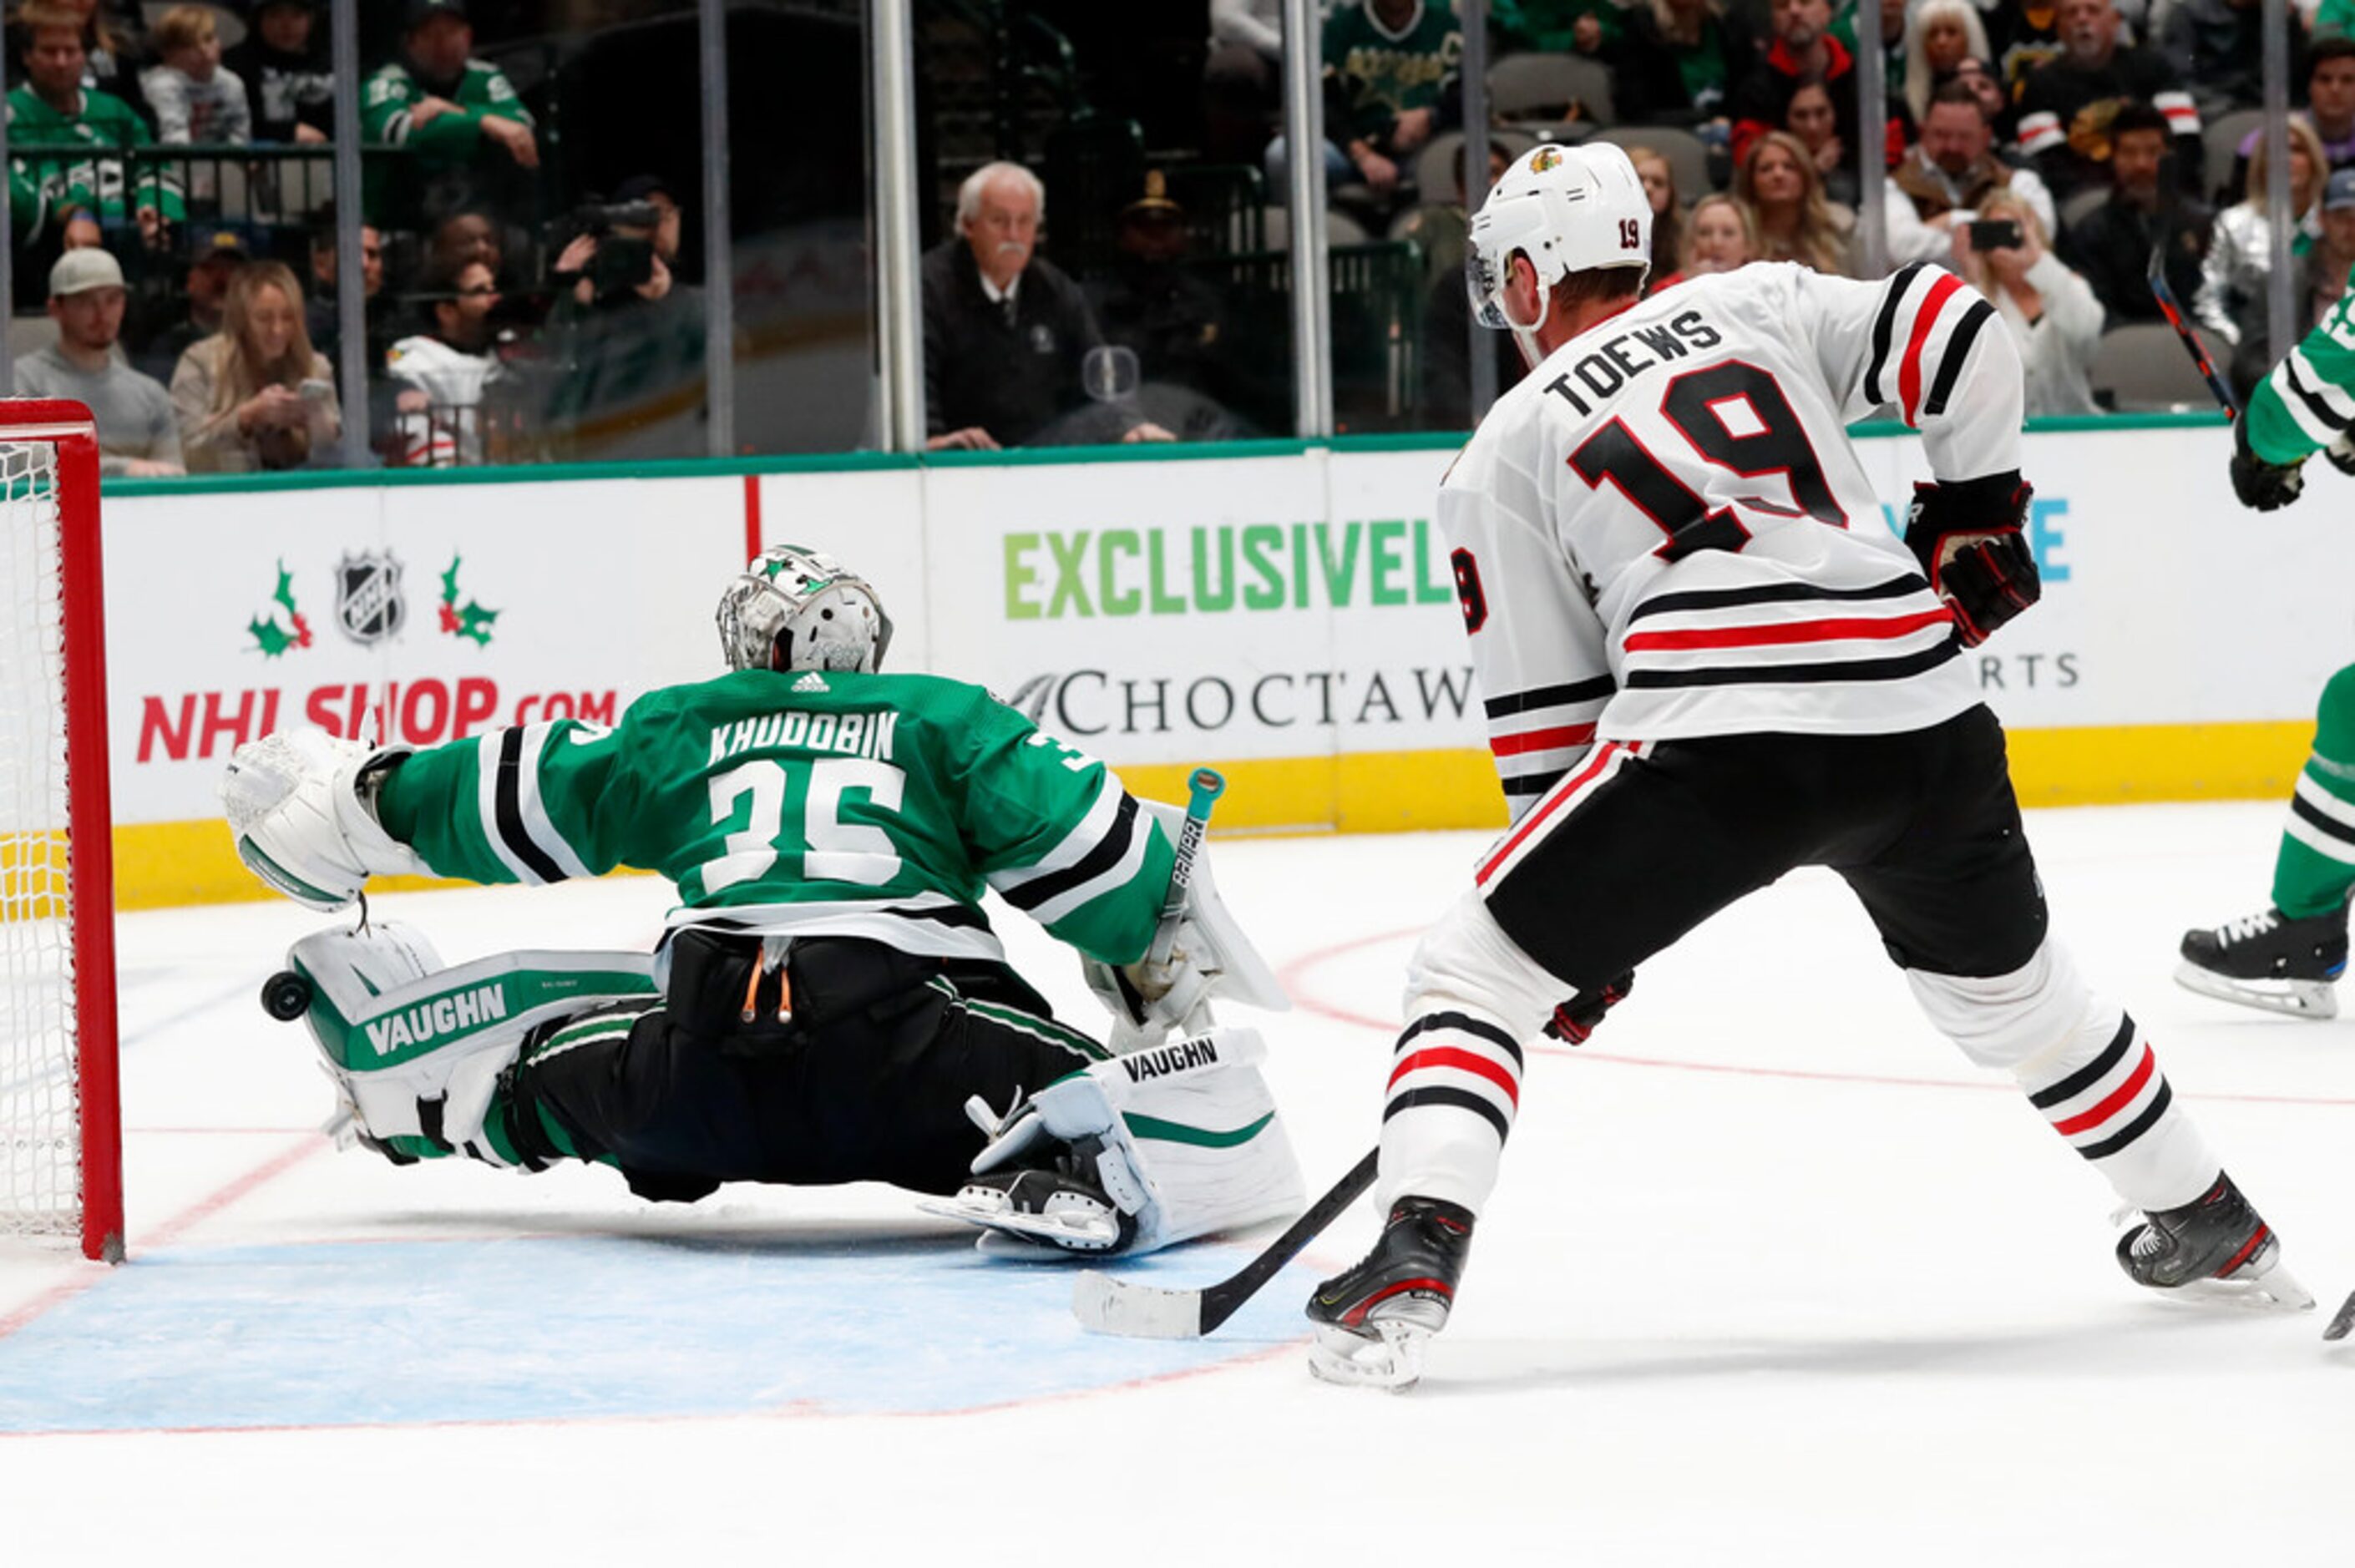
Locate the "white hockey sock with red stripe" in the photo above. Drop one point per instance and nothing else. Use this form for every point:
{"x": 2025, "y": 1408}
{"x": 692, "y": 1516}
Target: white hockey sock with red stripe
{"x": 1454, "y": 1088}
{"x": 2106, "y": 1096}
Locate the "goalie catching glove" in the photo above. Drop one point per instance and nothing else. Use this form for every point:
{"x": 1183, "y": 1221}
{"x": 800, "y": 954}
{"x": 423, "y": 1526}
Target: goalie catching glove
{"x": 1967, "y": 535}
{"x": 298, "y": 805}
{"x": 1210, "y": 956}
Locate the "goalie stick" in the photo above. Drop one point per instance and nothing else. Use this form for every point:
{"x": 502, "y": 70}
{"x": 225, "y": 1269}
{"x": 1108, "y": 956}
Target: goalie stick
{"x": 2169, "y": 194}
{"x": 1104, "y": 1305}
{"x": 1202, "y": 790}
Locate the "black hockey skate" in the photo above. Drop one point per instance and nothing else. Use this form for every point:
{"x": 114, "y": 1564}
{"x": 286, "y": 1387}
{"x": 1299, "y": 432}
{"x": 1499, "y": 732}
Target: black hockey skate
{"x": 2270, "y": 960}
{"x": 2216, "y": 1245}
{"x": 1371, "y": 1321}
{"x": 1040, "y": 1211}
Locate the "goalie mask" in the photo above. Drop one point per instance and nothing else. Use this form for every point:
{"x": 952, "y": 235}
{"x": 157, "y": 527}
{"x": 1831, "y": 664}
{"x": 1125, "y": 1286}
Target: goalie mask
{"x": 1568, "y": 209}
{"x": 797, "y": 610}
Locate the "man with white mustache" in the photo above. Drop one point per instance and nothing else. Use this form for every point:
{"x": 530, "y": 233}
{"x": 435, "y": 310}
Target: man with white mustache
{"x": 1006, "y": 331}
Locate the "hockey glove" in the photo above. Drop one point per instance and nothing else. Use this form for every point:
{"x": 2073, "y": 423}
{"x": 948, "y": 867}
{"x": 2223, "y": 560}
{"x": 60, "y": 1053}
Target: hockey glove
{"x": 2265, "y": 486}
{"x": 1576, "y": 1019}
{"x": 1967, "y": 535}
{"x": 2341, "y": 453}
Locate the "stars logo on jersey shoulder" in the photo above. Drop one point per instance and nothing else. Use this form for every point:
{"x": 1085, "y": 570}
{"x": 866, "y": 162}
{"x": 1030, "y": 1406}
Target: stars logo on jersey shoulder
{"x": 812, "y": 681}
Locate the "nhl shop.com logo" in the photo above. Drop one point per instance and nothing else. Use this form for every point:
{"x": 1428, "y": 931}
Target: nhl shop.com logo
{"x": 369, "y": 603}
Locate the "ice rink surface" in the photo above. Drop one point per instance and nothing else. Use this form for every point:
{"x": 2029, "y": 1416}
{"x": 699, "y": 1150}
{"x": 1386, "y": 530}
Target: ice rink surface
{"x": 1773, "y": 1277}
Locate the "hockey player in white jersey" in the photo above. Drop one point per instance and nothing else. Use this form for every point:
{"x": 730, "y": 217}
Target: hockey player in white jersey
{"x": 1705, "y": 661}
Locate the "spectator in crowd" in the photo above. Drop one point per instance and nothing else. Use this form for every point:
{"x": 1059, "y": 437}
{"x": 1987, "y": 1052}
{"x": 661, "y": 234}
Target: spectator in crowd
{"x": 464, "y": 236}
{"x": 1390, "y": 85}
{"x": 1006, "y": 333}
{"x": 1893, "y": 48}
{"x": 458, "y": 116}
{"x": 2025, "y": 35}
{"x": 54, "y": 106}
{"x": 1681, "y": 63}
{"x": 1557, "y": 26}
{"x": 1949, "y": 173}
{"x": 136, "y": 434}
{"x": 2231, "y": 303}
{"x": 1172, "y": 319}
{"x": 1795, "y": 222}
{"x": 283, "y": 61}
{"x": 1243, "y": 79}
{"x": 1980, "y": 77}
{"x": 215, "y": 259}
{"x": 670, "y": 219}
{"x": 1942, "y": 35}
{"x": 2329, "y": 105}
{"x": 2331, "y": 260}
{"x": 1720, "y": 234}
{"x": 2066, "y": 108}
{"x": 1659, "y": 177}
{"x": 2110, "y": 246}
{"x": 2051, "y": 313}
{"x": 444, "y": 371}
{"x": 1803, "y": 50}
{"x": 2217, "y": 47}
{"x": 627, "y": 338}
{"x": 321, "y": 312}
{"x": 1810, "y": 116}
{"x": 115, "y": 46}
{"x": 255, "y": 394}
{"x": 195, "y": 99}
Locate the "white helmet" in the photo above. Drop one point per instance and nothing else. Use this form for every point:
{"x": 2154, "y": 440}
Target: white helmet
{"x": 1568, "y": 209}
{"x": 796, "y": 610}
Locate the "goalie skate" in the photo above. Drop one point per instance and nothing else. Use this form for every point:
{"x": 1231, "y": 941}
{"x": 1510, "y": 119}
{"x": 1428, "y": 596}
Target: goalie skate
{"x": 2271, "y": 961}
{"x": 1042, "y": 1212}
{"x": 2216, "y": 1248}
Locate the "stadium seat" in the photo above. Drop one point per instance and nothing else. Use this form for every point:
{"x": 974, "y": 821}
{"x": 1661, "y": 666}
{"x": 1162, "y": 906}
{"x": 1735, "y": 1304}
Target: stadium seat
{"x": 1687, "y": 153}
{"x": 1540, "y": 89}
{"x": 2222, "y": 140}
{"x": 1435, "y": 166}
{"x": 2143, "y": 368}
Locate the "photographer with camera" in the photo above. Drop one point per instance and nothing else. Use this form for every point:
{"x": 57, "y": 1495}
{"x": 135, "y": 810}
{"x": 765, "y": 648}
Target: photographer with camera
{"x": 2006, "y": 253}
{"x": 1948, "y": 175}
{"x": 625, "y": 333}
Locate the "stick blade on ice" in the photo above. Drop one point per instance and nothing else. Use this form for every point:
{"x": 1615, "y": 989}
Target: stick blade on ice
{"x": 1107, "y": 1305}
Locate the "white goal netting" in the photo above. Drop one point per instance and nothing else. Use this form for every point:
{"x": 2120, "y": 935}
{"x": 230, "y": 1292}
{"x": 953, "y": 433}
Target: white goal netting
{"x": 40, "y": 1126}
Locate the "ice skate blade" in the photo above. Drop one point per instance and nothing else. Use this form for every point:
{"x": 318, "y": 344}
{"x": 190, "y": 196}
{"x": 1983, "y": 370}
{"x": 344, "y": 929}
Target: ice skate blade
{"x": 2275, "y": 1290}
{"x": 1389, "y": 1359}
{"x": 1064, "y": 1230}
{"x": 2296, "y": 999}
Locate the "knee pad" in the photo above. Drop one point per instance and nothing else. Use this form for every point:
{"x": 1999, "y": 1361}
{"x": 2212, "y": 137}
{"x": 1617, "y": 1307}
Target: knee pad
{"x": 2014, "y": 1020}
{"x": 1467, "y": 963}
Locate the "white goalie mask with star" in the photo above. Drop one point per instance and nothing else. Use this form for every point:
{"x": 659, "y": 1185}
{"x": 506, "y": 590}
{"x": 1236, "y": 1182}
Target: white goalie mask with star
{"x": 794, "y": 608}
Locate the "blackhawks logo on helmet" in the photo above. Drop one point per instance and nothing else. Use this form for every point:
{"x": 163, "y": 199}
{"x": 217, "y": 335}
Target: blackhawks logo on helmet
{"x": 1544, "y": 158}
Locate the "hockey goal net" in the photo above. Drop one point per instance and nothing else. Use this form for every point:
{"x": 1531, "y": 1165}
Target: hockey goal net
{"x": 60, "y": 1156}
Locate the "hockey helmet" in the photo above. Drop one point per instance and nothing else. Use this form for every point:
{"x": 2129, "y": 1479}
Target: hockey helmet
{"x": 797, "y": 610}
{"x": 1568, "y": 209}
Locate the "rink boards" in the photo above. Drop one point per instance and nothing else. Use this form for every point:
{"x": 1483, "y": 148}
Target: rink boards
{"x": 1285, "y": 611}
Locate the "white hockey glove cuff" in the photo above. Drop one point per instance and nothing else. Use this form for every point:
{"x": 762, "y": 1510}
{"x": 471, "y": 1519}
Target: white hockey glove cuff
{"x": 1184, "y": 1137}
{"x": 293, "y": 806}
{"x": 1210, "y": 957}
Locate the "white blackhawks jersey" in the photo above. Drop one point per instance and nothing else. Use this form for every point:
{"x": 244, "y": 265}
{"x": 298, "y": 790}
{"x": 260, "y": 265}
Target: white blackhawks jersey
{"x": 1663, "y": 532}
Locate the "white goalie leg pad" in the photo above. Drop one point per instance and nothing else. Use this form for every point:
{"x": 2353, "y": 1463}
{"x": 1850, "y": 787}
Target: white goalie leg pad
{"x": 1190, "y": 1138}
{"x": 295, "y": 813}
{"x": 417, "y": 1049}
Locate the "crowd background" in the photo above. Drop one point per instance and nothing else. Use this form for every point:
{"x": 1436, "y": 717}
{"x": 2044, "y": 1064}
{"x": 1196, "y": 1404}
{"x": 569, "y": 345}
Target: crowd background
{"x": 1103, "y": 199}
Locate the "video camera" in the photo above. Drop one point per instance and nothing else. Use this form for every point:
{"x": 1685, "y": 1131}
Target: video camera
{"x": 625, "y": 245}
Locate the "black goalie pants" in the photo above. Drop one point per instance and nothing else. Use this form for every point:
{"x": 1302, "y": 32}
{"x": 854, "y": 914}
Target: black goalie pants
{"x": 864, "y": 1079}
{"x": 1923, "y": 825}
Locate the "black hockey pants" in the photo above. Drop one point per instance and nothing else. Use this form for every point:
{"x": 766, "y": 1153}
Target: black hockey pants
{"x": 863, "y": 1079}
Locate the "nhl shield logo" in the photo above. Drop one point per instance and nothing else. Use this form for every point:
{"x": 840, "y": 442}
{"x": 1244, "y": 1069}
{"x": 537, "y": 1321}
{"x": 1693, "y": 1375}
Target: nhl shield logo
{"x": 368, "y": 605}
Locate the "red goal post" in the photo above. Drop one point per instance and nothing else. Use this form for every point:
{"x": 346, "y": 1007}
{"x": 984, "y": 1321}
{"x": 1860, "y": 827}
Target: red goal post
{"x": 60, "y": 1116}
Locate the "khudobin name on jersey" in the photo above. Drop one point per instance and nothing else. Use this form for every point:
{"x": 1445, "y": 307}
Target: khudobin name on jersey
{"x": 806, "y": 803}
{"x": 1729, "y": 569}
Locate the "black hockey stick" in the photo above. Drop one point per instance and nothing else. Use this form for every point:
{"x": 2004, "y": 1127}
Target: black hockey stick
{"x": 2169, "y": 194}
{"x": 2344, "y": 1323}
{"x": 1104, "y": 1305}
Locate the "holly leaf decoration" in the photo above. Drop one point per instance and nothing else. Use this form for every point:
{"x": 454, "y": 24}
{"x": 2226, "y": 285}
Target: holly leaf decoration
{"x": 475, "y": 621}
{"x": 273, "y": 638}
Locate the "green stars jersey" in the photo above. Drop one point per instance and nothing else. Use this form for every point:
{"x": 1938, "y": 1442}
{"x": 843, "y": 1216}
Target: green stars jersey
{"x": 42, "y": 187}
{"x": 1385, "y": 73}
{"x": 388, "y": 104}
{"x": 802, "y": 802}
{"x": 2309, "y": 401}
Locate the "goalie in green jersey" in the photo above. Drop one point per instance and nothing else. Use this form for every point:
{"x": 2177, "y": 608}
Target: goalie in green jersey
{"x": 828, "y": 1002}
